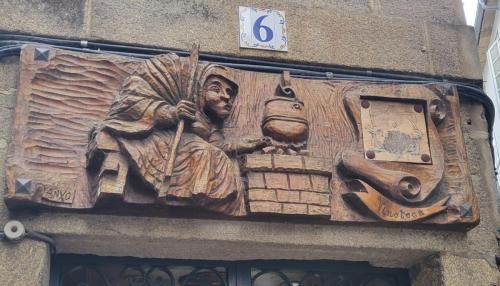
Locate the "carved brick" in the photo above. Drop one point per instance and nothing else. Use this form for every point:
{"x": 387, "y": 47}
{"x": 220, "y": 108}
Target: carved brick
{"x": 276, "y": 180}
{"x": 258, "y": 162}
{"x": 262, "y": 195}
{"x": 315, "y": 198}
{"x": 300, "y": 182}
{"x": 294, "y": 209}
{"x": 287, "y": 163}
{"x": 320, "y": 183}
{"x": 315, "y": 165}
{"x": 265, "y": 207}
{"x": 288, "y": 196}
{"x": 318, "y": 210}
{"x": 256, "y": 180}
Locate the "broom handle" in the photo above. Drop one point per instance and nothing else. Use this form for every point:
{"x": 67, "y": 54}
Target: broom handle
{"x": 173, "y": 152}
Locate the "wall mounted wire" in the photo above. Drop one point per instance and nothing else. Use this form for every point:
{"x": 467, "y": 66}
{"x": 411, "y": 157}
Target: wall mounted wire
{"x": 11, "y": 44}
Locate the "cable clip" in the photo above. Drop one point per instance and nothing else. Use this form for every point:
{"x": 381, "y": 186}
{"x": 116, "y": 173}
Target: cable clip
{"x": 14, "y": 230}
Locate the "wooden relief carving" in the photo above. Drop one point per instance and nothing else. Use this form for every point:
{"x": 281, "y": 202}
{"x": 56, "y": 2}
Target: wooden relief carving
{"x": 165, "y": 127}
{"x": 174, "y": 135}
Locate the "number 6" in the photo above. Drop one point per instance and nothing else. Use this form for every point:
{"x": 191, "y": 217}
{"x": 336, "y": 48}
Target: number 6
{"x": 256, "y": 30}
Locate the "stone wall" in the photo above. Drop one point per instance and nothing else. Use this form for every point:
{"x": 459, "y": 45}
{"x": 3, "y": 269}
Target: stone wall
{"x": 424, "y": 36}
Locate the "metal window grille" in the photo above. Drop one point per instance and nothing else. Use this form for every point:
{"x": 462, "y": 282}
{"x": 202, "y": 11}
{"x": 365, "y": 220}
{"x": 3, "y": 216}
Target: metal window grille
{"x": 74, "y": 270}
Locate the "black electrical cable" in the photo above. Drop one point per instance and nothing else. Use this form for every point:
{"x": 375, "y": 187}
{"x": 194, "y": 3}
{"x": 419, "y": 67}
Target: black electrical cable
{"x": 209, "y": 57}
{"x": 36, "y": 236}
{"x": 10, "y": 44}
{"x": 44, "y": 238}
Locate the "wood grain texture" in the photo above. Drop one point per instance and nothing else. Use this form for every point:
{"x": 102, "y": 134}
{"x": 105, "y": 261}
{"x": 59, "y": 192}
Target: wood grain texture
{"x": 61, "y": 100}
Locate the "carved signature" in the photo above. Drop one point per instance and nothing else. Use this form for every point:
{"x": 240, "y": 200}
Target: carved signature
{"x": 61, "y": 193}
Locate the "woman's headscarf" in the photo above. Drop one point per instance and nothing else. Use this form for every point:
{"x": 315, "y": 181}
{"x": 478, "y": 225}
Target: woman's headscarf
{"x": 162, "y": 80}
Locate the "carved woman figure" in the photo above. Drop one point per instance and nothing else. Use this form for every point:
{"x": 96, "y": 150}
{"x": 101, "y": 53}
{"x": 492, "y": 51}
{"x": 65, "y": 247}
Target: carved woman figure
{"x": 143, "y": 120}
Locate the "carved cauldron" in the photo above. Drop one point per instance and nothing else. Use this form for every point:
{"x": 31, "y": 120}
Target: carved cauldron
{"x": 285, "y": 120}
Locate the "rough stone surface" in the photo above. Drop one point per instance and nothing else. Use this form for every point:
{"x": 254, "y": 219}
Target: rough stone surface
{"x": 463, "y": 271}
{"x": 459, "y": 52}
{"x": 451, "y": 270}
{"x": 9, "y": 75}
{"x": 45, "y": 17}
{"x": 481, "y": 240}
{"x": 364, "y": 34}
{"x": 442, "y": 11}
{"x": 427, "y": 272}
{"x": 24, "y": 263}
{"x": 405, "y": 36}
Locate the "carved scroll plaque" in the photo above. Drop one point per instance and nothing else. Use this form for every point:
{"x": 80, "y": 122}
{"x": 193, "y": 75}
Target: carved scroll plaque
{"x": 175, "y": 135}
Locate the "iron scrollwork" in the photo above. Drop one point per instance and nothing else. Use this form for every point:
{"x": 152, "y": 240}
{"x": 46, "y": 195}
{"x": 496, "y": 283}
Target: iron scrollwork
{"x": 141, "y": 272}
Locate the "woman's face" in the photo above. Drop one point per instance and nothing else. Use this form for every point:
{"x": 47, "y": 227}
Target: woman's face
{"x": 218, "y": 96}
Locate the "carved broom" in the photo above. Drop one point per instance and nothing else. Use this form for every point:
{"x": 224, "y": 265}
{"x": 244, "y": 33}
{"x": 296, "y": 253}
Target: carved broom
{"x": 188, "y": 95}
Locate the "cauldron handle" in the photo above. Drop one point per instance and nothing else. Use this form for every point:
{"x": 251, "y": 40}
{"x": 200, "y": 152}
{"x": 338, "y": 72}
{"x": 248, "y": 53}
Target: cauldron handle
{"x": 285, "y": 87}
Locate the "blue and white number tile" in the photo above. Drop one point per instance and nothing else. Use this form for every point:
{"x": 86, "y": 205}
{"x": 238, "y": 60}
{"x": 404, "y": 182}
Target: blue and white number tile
{"x": 263, "y": 29}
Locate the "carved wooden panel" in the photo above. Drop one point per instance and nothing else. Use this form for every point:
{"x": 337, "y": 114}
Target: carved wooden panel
{"x": 176, "y": 136}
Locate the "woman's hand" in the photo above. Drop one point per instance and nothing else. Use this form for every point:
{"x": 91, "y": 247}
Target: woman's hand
{"x": 261, "y": 142}
{"x": 246, "y": 146}
{"x": 185, "y": 110}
